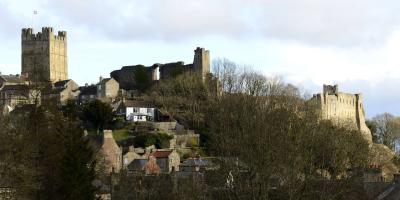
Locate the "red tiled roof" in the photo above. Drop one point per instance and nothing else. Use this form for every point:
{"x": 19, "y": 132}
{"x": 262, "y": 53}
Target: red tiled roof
{"x": 161, "y": 154}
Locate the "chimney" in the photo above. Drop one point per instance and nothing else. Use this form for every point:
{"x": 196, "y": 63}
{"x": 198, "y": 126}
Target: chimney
{"x": 100, "y": 79}
{"x": 107, "y": 134}
{"x": 131, "y": 148}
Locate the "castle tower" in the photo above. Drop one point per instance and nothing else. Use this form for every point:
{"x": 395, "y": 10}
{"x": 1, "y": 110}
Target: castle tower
{"x": 201, "y": 62}
{"x": 343, "y": 108}
{"x": 44, "y": 55}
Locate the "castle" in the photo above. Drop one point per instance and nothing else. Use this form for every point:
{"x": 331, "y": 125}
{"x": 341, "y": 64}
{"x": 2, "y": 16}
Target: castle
{"x": 201, "y": 65}
{"x": 133, "y": 76}
{"x": 44, "y": 55}
{"x": 343, "y": 108}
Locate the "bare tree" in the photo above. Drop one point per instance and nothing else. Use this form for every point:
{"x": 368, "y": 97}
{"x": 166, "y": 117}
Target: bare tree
{"x": 386, "y": 129}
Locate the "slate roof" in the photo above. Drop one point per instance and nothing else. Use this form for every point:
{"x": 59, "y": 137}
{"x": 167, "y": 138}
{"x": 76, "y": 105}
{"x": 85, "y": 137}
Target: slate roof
{"x": 105, "y": 80}
{"x": 61, "y": 83}
{"x": 11, "y": 78}
{"x": 15, "y": 87}
{"x": 137, "y": 165}
{"x": 89, "y": 90}
{"x": 138, "y": 104}
{"x": 116, "y": 105}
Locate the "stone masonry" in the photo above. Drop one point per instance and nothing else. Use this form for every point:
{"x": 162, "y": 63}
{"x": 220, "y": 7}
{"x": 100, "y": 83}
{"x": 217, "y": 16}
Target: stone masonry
{"x": 129, "y": 76}
{"x": 343, "y": 108}
{"x": 44, "y": 55}
{"x": 201, "y": 61}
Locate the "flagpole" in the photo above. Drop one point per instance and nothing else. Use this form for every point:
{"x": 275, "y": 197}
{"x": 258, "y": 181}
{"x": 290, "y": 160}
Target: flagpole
{"x": 35, "y": 12}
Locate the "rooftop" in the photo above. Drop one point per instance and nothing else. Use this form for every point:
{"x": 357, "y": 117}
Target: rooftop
{"x": 139, "y": 104}
{"x": 63, "y": 83}
{"x": 161, "y": 154}
{"x": 88, "y": 90}
{"x": 12, "y": 78}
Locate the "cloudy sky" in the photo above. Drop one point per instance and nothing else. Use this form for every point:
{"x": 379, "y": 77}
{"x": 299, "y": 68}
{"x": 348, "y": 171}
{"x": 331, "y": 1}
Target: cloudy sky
{"x": 353, "y": 43}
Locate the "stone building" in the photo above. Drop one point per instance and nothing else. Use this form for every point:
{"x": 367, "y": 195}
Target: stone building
{"x": 107, "y": 89}
{"x": 14, "y": 95}
{"x": 44, "y": 55}
{"x": 65, "y": 90}
{"x": 167, "y": 160}
{"x": 87, "y": 93}
{"x": 201, "y": 62}
{"x": 343, "y": 108}
{"x": 112, "y": 152}
{"x": 10, "y": 80}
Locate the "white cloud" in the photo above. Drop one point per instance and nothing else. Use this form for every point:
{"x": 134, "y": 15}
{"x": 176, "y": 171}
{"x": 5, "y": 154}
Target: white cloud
{"x": 333, "y": 22}
{"x": 307, "y": 41}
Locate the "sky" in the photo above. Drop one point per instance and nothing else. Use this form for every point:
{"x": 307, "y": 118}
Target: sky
{"x": 353, "y": 43}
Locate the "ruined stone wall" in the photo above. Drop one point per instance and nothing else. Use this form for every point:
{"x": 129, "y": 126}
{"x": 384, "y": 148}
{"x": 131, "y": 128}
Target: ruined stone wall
{"x": 171, "y": 70}
{"x": 343, "y": 108}
{"x": 44, "y": 55}
{"x": 201, "y": 61}
{"x": 201, "y": 64}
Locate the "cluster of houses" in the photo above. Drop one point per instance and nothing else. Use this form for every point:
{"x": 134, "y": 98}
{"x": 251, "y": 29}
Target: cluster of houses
{"x": 147, "y": 160}
{"x": 16, "y": 91}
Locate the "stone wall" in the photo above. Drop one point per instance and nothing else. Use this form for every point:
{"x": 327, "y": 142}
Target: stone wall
{"x": 132, "y": 77}
{"x": 343, "y": 108}
{"x": 174, "y": 161}
{"x": 107, "y": 90}
{"x": 201, "y": 61}
{"x": 165, "y": 126}
{"x": 44, "y": 55}
{"x": 70, "y": 92}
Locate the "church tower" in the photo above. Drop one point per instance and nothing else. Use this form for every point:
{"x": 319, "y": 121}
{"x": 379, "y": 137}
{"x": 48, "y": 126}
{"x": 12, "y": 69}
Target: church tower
{"x": 44, "y": 55}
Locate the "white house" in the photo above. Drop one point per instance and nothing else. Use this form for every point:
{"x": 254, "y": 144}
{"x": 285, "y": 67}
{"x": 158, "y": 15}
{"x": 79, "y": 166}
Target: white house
{"x": 139, "y": 111}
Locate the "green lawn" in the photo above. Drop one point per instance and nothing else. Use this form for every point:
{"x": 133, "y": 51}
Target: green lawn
{"x": 120, "y": 134}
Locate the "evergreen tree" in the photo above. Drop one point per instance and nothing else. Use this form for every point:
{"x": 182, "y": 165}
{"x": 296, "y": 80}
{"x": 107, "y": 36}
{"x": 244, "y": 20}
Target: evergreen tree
{"x": 97, "y": 113}
{"x": 77, "y": 167}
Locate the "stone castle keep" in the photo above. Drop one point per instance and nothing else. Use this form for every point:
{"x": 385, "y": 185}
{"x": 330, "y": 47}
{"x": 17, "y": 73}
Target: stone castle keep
{"x": 44, "y": 55}
{"x": 129, "y": 77}
{"x": 342, "y": 108}
{"x": 201, "y": 65}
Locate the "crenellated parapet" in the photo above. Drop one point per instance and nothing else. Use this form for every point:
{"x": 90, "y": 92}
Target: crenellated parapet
{"x": 341, "y": 107}
{"x": 44, "y": 55}
{"x": 45, "y": 35}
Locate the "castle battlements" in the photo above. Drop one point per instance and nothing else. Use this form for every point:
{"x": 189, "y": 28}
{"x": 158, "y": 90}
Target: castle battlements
{"x": 44, "y": 55}
{"x": 46, "y": 34}
{"x": 341, "y": 107}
